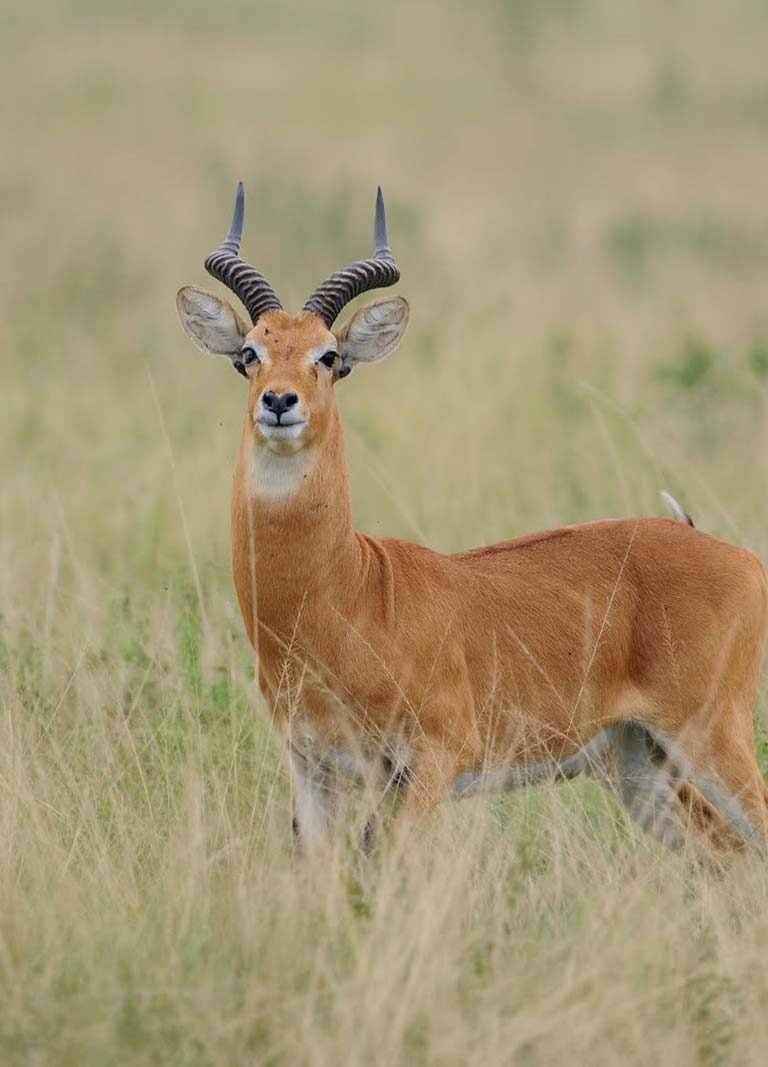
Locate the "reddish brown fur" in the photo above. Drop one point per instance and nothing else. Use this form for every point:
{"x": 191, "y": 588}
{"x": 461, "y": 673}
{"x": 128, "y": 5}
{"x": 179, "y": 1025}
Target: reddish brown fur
{"x": 506, "y": 653}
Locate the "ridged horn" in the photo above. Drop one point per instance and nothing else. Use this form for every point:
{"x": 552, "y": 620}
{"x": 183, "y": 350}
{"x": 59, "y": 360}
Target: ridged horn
{"x": 344, "y": 285}
{"x": 225, "y": 264}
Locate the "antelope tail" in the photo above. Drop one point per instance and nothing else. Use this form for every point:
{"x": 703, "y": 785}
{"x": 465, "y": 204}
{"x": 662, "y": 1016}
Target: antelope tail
{"x": 679, "y": 512}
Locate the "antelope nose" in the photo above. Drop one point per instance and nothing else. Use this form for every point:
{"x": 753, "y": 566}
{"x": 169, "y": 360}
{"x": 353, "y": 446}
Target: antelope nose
{"x": 279, "y": 403}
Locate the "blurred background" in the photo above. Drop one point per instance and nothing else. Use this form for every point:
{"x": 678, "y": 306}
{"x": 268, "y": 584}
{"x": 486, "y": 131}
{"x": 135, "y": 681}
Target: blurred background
{"x": 578, "y": 203}
{"x": 577, "y": 200}
{"x": 576, "y": 192}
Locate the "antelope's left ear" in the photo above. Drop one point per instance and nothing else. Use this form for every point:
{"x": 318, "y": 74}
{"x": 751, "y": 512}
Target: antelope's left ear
{"x": 212, "y": 323}
{"x": 372, "y": 333}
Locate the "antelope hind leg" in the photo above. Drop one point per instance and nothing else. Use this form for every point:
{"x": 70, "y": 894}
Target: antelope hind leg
{"x": 657, "y": 794}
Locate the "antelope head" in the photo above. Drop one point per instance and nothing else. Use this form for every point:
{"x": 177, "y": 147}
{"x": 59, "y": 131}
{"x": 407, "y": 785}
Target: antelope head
{"x": 292, "y": 362}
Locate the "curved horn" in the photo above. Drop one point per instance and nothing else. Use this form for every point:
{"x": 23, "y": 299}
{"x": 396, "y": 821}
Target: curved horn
{"x": 344, "y": 285}
{"x": 244, "y": 280}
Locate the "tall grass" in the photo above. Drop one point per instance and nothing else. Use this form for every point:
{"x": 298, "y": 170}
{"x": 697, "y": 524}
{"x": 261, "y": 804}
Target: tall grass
{"x": 577, "y": 201}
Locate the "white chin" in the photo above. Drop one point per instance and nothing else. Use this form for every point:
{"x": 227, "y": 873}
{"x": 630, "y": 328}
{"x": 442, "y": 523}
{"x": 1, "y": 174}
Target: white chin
{"x": 283, "y": 435}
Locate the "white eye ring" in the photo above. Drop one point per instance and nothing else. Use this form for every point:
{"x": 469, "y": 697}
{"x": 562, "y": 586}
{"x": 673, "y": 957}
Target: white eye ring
{"x": 249, "y": 355}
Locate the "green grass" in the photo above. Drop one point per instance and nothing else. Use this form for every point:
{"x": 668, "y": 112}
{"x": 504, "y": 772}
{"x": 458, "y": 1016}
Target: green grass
{"x": 576, "y": 198}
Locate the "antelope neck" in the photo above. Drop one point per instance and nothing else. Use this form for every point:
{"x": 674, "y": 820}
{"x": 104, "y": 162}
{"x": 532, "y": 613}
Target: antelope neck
{"x": 298, "y": 520}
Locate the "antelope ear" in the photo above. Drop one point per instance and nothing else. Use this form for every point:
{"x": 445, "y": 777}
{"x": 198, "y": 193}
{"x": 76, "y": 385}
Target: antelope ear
{"x": 212, "y": 323}
{"x": 372, "y": 333}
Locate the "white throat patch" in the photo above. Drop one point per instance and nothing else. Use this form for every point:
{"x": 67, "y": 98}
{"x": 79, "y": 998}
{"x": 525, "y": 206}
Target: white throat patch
{"x": 276, "y": 476}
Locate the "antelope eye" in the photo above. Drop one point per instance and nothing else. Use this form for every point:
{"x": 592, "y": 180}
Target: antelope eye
{"x": 328, "y": 359}
{"x": 249, "y": 355}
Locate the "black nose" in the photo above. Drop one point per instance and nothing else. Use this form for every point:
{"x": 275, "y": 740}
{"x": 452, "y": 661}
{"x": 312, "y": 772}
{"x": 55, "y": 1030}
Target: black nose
{"x": 279, "y": 403}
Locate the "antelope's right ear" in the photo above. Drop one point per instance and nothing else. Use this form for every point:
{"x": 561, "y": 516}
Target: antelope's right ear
{"x": 212, "y": 323}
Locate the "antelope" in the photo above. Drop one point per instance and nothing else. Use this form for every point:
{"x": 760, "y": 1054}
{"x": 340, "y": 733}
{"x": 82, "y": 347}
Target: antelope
{"x": 629, "y": 649}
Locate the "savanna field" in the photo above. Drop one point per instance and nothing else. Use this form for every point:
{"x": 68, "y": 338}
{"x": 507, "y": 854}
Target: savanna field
{"x": 577, "y": 201}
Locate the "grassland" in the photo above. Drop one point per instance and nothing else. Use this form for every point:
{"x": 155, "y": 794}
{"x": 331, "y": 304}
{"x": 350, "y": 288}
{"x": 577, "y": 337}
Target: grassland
{"x": 578, "y": 202}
